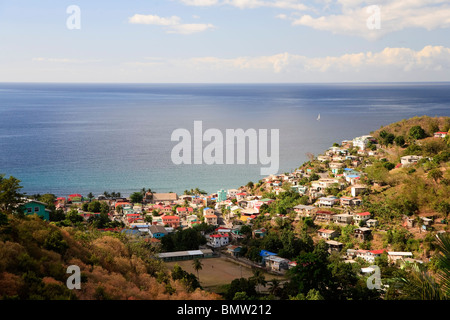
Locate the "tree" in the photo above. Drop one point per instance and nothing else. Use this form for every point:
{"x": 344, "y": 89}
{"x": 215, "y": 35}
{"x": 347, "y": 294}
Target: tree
{"x": 400, "y": 141}
{"x": 435, "y": 174}
{"x": 73, "y": 216}
{"x": 386, "y": 138}
{"x": 94, "y": 206}
{"x": 274, "y": 287}
{"x": 417, "y": 133}
{"x": 197, "y": 264}
{"x": 258, "y": 277}
{"x": 136, "y": 197}
{"x": 90, "y": 196}
{"x": 420, "y": 285}
{"x": 240, "y": 285}
{"x": 10, "y": 197}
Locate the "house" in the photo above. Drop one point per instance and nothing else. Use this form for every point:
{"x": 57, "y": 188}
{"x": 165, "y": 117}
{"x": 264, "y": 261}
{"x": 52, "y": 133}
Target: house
{"x": 211, "y": 219}
{"x": 184, "y": 210}
{"x": 185, "y": 255}
{"x": 328, "y": 234}
{"x": 350, "y": 201}
{"x": 368, "y": 255}
{"x": 241, "y": 195}
{"x": 335, "y": 166}
{"x": 361, "y": 217}
{"x": 357, "y": 190}
{"x": 324, "y": 216}
{"x": 344, "y": 218}
{"x": 157, "y": 232}
{"x": 371, "y": 223}
{"x": 325, "y": 183}
{"x": 219, "y": 240}
{"x": 36, "y": 207}
{"x": 276, "y": 263}
{"x": 300, "y": 189}
{"x": 235, "y": 251}
{"x": 221, "y": 195}
{"x": 76, "y": 197}
{"x": 232, "y": 193}
{"x": 373, "y": 254}
{"x": 323, "y": 158}
{"x": 208, "y": 211}
{"x": 409, "y": 160}
{"x": 352, "y": 178}
{"x": 334, "y": 246}
{"x": 409, "y": 222}
{"x": 426, "y": 223}
{"x": 363, "y": 233}
{"x": 394, "y": 256}
{"x": 440, "y": 134}
{"x": 305, "y": 211}
{"x": 362, "y": 142}
{"x": 171, "y": 221}
{"x": 131, "y": 232}
{"x": 328, "y": 201}
{"x": 166, "y": 198}
{"x": 259, "y": 233}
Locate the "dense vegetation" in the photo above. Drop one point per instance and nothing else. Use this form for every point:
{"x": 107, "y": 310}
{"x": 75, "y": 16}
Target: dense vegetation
{"x": 34, "y": 256}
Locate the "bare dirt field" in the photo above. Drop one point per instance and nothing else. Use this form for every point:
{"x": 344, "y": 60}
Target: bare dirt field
{"x": 218, "y": 271}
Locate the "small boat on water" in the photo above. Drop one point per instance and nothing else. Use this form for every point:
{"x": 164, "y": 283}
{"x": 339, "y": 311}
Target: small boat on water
{"x": 318, "y": 117}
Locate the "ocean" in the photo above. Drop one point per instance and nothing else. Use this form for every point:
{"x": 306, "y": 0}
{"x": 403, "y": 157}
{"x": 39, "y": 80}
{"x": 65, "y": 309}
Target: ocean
{"x": 81, "y": 138}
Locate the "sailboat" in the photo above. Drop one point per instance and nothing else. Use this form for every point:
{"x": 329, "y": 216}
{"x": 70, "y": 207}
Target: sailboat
{"x": 318, "y": 117}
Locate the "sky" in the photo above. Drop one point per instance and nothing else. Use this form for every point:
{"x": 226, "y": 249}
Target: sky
{"x": 224, "y": 41}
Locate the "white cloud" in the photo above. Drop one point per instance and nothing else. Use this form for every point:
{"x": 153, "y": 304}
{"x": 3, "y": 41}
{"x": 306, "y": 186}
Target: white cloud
{"x": 394, "y": 16}
{"x": 172, "y": 24}
{"x": 190, "y": 28}
{"x": 391, "y": 60}
{"x": 155, "y": 20}
{"x": 250, "y": 4}
{"x": 200, "y": 3}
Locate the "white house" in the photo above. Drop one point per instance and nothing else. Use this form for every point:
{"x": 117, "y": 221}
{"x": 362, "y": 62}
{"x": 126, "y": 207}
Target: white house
{"x": 361, "y": 216}
{"x": 344, "y": 218}
{"x": 440, "y": 134}
{"x": 219, "y": 240}
{"x": 328, "y": 201}
{"x": 410, "y": 160}
{"x": 232, "y": 192}
{"x": 362, "y": 142}
{"x": 394, "y": 256}
{"x": 358, "y": 189}
{"x": 327, "y": 234}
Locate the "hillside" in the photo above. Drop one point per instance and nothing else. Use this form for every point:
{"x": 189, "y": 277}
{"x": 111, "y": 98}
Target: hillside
{"x": 34, "y": 256}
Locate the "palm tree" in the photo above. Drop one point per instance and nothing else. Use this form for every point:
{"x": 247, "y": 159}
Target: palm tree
{"x": 197, "y": 264}
{"x": 421, "y": 285}
{"x": 258, "y": 277}
{"x": 274, "y": 287}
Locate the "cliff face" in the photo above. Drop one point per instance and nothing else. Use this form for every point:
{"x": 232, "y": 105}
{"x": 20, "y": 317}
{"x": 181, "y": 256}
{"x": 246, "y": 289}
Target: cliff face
{"x": 35, "y": 255}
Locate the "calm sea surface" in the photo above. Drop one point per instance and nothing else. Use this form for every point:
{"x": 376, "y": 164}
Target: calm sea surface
{"x": 81, "y": 138}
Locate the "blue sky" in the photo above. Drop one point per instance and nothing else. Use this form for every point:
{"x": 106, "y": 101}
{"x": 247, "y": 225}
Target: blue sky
{"x": 225, "y": 41}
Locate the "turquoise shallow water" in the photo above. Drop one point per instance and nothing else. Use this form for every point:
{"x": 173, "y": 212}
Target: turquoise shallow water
{"x": 81, "y": 138}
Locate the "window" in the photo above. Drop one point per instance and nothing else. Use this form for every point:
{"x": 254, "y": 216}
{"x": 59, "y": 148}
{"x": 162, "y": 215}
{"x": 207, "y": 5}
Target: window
{"x": 36, "y": 209}
{"x": 29, "y": 210}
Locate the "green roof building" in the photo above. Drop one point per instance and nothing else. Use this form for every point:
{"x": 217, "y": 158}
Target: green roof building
{"x": 36, "y": 207}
